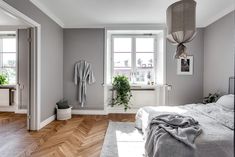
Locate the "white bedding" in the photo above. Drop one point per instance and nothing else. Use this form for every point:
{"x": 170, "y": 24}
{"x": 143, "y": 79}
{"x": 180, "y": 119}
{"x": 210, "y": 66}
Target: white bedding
{"x": 217, "y": 125}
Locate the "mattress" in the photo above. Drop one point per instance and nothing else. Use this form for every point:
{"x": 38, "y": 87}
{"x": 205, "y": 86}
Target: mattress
{"x": 216, "y": 139}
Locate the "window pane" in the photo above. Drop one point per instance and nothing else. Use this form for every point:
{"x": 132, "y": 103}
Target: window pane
{"x": 9, "y": 45}
{"x": 122, "y": 60}
{"x": 10, "y": 73}
{"x": 121, "y": 71}
{"x": 144, "y": 76}
{"x": 9, "y": 59}
{"x": 122, "y": 44}
{"x": 145, "y": 60}
{"x": 144, "y": 44}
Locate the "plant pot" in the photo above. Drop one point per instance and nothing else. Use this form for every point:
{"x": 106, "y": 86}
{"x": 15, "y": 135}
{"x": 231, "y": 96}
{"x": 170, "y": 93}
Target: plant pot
{"x": 64, "y": 114}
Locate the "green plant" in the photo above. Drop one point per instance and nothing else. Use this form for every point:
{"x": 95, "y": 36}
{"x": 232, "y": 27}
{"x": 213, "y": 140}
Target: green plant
{"x": 3, "y": 79}
{"x": 122, "y": 89}
{"x": 211, "y": 98}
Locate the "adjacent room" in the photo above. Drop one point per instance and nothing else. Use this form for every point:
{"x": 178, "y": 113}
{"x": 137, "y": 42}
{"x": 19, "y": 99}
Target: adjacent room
{"x": 15, "y": 53}
{"x": 117, "y": 78}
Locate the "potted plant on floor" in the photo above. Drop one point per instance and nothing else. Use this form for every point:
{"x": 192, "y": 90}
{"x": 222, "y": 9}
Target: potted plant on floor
{"x": 121, "y": 92}
{"x": 63, "y": 110}
{"x": 211, "y": 98}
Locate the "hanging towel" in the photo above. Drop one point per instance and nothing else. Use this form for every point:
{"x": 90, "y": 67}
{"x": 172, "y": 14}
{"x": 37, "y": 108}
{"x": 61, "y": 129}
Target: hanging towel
{"x": 83, "y": 74}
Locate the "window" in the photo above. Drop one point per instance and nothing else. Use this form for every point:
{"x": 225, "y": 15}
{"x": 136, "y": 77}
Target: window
{"x": 134, "y": 57}
{"x": 8, "y": 56}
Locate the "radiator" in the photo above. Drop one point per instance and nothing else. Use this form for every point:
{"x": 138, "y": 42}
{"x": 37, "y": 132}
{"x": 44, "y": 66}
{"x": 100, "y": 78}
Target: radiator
{"x": 142, "y": 96}
{"x": 4, "y": 97}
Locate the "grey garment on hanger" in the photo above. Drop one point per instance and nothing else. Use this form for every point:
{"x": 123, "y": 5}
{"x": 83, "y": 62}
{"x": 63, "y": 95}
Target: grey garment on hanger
{"x": 83, "y": 75}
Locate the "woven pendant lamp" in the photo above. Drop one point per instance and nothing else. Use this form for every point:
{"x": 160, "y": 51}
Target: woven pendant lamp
{"x": 181, "y": 25}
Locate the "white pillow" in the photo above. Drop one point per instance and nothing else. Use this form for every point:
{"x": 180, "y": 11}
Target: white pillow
{"x": 227, "y": 102}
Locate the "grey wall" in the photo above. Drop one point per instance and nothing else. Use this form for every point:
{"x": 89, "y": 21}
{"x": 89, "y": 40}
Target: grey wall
{"x": 219, "y": 54}
{"x": 87, "y": 44}
{"x": 186, "y": 88}
{"x": 210, "y": 73}
{"x": 51, "y": 53}
{"x": 23, "y": 68}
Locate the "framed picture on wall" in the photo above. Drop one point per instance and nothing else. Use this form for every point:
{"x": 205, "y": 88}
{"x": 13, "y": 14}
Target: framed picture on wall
{"x": 185, "y": 66}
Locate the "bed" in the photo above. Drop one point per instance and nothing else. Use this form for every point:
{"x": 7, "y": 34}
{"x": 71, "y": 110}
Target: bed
{"x": 215, "y": 119}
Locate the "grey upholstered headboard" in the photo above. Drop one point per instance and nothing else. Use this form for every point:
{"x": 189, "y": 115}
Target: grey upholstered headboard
{"x": 231, "y": 85}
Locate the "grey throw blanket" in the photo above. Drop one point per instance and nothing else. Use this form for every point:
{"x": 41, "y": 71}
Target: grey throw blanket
{"x": 171, "y": 135}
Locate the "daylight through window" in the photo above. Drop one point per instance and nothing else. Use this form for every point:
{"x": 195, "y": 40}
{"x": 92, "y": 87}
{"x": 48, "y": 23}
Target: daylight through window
{"x": 134, "y": 57}
{"x": 8, "y": 56}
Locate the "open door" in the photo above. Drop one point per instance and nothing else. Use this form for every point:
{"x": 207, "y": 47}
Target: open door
{"x": 31, "y": 120}
{"x": 30, "y": 35}
{"x": 23, "y": 73}
{"x": 33, "y": 70}
{"x": 26, "y": 62}
{"x": 32, "y": 112}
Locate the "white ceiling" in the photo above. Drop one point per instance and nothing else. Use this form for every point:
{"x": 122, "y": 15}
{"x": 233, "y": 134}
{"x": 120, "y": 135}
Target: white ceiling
{"x": 8, "y": 19}
{"x": 100, "y": 13}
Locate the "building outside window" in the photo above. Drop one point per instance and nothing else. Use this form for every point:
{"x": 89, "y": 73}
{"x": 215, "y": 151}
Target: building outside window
{"x": 8, "y": 56}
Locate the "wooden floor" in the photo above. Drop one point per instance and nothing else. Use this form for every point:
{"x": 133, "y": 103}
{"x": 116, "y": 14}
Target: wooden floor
{"x": 82, "y": 136}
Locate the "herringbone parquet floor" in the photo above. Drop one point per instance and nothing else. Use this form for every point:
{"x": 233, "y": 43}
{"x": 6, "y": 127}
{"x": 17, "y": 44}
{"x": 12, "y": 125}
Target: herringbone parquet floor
{"x": 82, "y": 136}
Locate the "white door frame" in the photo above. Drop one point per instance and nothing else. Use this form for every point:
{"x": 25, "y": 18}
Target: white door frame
{"x": 36, "y": 105}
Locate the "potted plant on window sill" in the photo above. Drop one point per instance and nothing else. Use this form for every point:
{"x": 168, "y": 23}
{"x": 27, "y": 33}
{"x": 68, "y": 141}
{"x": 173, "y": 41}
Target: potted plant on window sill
{"x": 3, "y": 80}
{"x": 121, "y": 92}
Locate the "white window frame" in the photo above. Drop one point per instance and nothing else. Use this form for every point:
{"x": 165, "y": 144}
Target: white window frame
{"x": 133, "y": 54}
{"x": 2, "y": 52}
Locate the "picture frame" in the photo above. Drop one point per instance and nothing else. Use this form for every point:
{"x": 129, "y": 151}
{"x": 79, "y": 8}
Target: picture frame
{"x": 185, "y": 66}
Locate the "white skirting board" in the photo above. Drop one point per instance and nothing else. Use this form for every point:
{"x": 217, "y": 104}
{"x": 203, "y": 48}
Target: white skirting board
{"x": 13, "y": 109}
{"x": 47, "y": 121}
{"x": 103, "y": 112}
{"x": 21, "y": 111}
{"x": 121, "y": 110}
{"x": 90, "y": 112}
{"x": 74, "y": 112}
{"x": 7, "y": 109}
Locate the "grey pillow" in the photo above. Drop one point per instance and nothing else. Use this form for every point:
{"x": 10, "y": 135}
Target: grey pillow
{"x": 63, "y": 104}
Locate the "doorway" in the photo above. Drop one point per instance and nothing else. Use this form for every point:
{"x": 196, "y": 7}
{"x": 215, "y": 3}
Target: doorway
{"x": 24, "y": 95}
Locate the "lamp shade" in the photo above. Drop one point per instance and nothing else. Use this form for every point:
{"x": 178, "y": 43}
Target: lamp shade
{"x": 181, "y": 24}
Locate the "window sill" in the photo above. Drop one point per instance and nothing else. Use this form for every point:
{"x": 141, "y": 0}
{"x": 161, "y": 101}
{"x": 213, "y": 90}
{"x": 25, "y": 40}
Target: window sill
{"x": 7, "y": 87}
{"x": 138, "y": 86}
